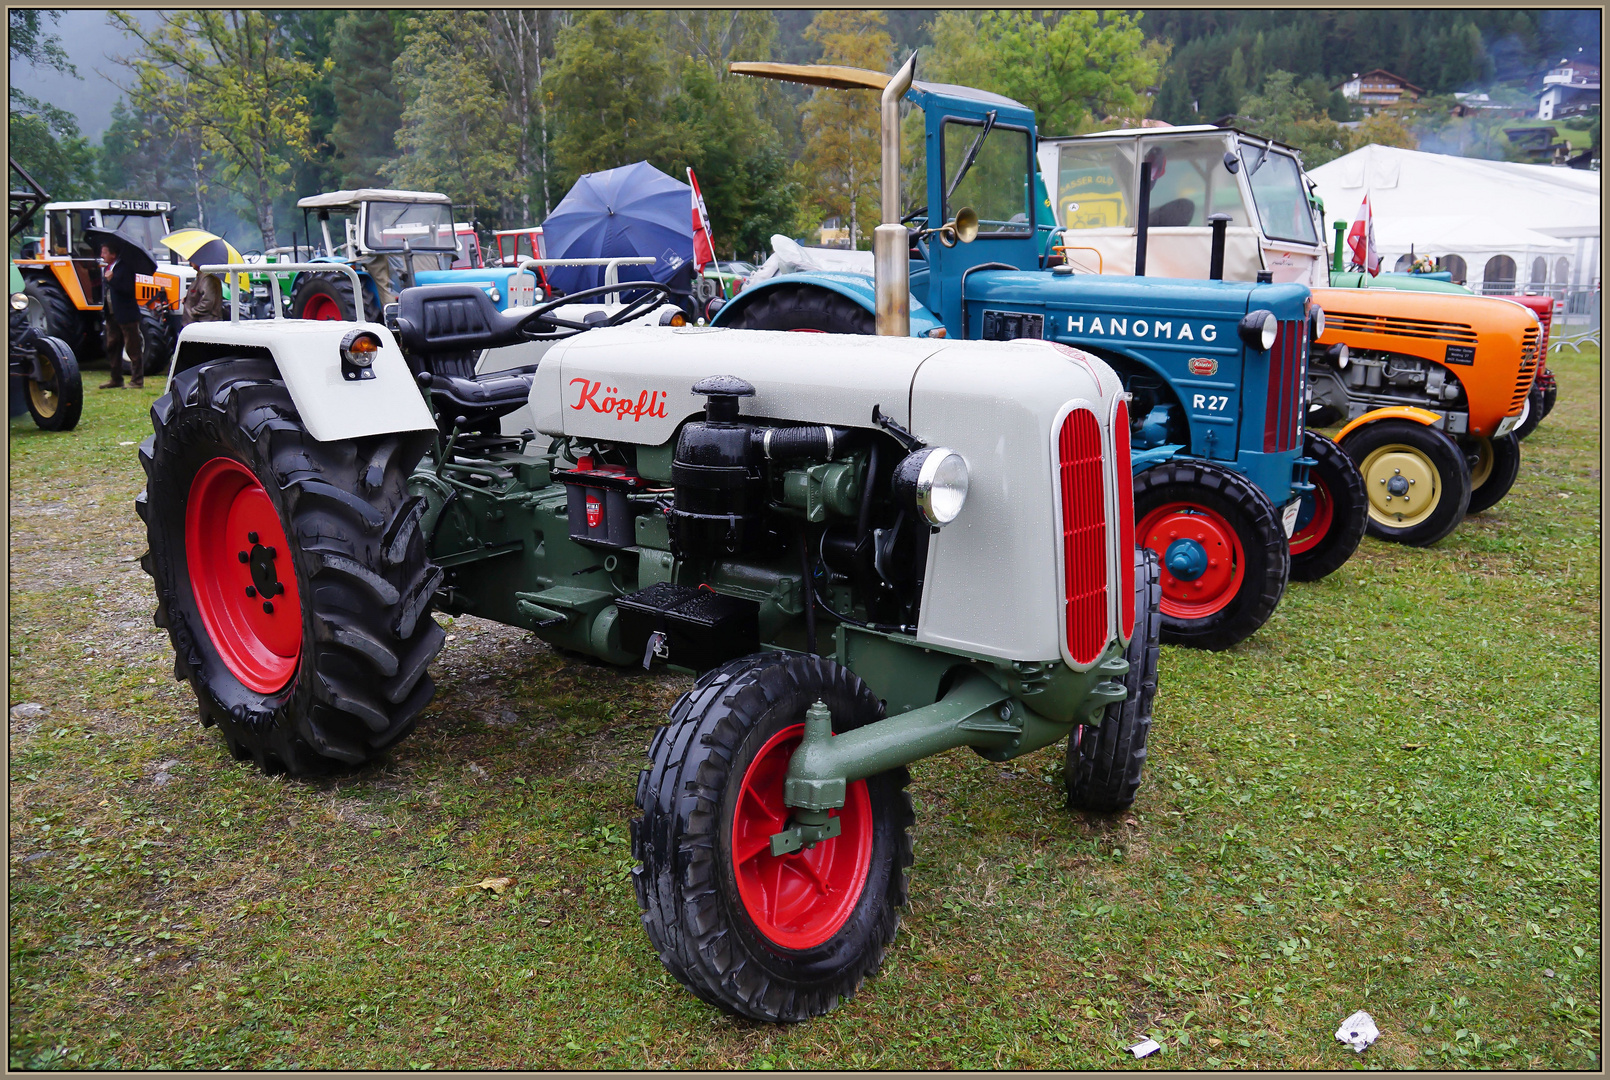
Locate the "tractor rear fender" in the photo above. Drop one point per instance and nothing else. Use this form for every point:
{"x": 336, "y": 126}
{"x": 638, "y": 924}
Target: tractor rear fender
{"x": 856, "y": 287}
{"x": 1394, "y": 412}
{"x": 61, "y": 271}
{"x": 333, "y": 405}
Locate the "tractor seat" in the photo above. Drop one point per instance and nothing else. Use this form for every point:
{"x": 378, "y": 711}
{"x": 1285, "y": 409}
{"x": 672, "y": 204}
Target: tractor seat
{"x": 479, "y": 400}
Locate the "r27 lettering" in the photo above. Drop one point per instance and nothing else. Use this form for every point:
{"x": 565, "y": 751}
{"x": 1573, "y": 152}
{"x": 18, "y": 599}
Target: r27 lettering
{"x": 1210, "y": 402}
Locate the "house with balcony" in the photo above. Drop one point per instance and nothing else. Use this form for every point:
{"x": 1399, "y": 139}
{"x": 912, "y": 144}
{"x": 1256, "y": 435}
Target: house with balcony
{"x": 1379, "y": 89}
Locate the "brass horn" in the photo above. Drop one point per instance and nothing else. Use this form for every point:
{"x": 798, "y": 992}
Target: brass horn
{"x": 963, "y": 228}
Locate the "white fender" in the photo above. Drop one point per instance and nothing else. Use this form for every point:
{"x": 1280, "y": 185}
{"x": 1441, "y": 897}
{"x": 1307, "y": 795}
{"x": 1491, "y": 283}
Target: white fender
{"x": 308, "y": 355}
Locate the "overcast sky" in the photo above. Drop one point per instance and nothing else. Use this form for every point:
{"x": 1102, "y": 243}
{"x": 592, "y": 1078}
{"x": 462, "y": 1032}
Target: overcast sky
{"x": 91, "y": 41}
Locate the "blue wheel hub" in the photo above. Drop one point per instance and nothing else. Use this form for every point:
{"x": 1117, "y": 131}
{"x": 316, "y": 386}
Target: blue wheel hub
{"x": 1187, "y": 560}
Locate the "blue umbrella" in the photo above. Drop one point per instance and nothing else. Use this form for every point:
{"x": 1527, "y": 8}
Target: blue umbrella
{"x": 633, "y": 210}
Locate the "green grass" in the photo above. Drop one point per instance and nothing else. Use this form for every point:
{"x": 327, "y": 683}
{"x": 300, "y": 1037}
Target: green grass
{"x": 1387, "y": 799}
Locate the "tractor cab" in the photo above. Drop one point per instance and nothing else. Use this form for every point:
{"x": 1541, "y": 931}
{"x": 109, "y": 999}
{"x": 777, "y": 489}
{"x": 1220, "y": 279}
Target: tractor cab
{"x": 66, "y": 252}
{"x": 1197, "y": 173}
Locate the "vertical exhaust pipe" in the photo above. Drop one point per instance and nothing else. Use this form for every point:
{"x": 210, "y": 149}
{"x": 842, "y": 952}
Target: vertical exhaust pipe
{"x": 891, "y": 247}
{"x": 1218, "y": 222}
{"x": 1143, "y": 207}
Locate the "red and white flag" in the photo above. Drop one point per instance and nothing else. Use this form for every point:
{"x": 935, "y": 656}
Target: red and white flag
{"x": 1361, "y": 239}
{"x": 704, "y": 252}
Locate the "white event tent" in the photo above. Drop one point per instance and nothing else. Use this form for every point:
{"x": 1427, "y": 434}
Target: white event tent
{"x": 1497, "y": 225}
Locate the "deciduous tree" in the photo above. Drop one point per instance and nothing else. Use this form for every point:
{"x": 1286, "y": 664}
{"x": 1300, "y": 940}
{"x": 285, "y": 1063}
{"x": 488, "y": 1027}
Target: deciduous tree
{"x": 839, "y": 169}
{"x": 368, "y": 108}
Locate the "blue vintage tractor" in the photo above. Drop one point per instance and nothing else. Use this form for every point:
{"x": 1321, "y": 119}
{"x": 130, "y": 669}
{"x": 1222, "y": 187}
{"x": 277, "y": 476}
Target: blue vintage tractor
{"x": 1230, "y": 490}
{"x": 394, "y": 239}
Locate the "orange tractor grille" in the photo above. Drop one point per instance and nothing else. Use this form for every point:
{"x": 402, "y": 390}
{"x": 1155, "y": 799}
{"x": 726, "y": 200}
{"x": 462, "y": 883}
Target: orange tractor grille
{"x": 1523, "y": 378}
{"x": 1428, "y": 329}
{"x": 1084, "y": 535}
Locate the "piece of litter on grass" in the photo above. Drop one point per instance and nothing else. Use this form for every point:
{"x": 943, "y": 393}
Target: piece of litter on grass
{"x": 27, "y": 710}
{"x": 129, "y": 443}
{"x": 1358, "y": 1031}
{"x": 1146, "y": 1048}
{"x": 1415, "y": 745}
{"x": 494, "y": 884}
{"x": 1548, "y": 973}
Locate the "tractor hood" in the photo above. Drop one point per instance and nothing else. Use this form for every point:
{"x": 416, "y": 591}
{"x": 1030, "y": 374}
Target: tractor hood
{"x": 1109, "y": 307}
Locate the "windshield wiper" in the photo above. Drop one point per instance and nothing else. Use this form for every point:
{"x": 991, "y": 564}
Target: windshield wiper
{"x": 972, "y": 152}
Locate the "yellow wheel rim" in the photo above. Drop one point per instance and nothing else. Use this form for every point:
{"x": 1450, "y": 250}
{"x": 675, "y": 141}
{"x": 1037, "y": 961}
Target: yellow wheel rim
{"x": 44, "y": 399}
{"x": 1404, "y": 487}
{"x": 1482, "y": 470}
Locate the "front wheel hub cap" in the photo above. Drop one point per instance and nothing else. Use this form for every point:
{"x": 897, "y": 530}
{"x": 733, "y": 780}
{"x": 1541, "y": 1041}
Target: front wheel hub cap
{"x": 244, "y": 585}
{"x": 1186, "y": 559}
{"x": 1402, "y": 484}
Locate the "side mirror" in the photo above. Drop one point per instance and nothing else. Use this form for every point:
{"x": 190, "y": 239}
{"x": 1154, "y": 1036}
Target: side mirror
{"x": 1231, "y": 162}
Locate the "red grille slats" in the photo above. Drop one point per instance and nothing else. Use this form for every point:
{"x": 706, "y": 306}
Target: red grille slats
{"x": 1084, "y": 535}
{"x": 1281, "y": 418}
{"x": 1124, "y": 481}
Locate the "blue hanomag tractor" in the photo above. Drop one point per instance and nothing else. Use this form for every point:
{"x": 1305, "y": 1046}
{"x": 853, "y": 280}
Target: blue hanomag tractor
{"x": 1230, "y": 491}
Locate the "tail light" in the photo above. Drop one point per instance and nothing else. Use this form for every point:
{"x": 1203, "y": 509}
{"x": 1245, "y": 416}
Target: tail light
{"x": 1124, "y": 483}
{"x": 1084, "y": 536}
{"x": 1282, "y": 417}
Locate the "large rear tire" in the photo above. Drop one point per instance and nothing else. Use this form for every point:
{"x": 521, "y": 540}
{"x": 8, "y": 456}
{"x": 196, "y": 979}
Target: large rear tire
{"x": 776, "y": 938}
{"x": 328, "y": 297}
{"x": 1103, "y": 768}
{"x": 56, "y": 399}
{"x": 291, "y": 574}
{"x": 52, "y": 314}
{"x": 1330, "y": 521}
{"x": 1400, "y": 461}
{"x": 156, "y": 342}
{"x": 801, "y": 306}
{"x": 1222, "y": 547}
{"x": 1494, "y": 465}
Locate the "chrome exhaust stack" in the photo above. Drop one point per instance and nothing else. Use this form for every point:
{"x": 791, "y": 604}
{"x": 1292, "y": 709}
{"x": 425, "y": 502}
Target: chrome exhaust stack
{"x": 891, "y": 246}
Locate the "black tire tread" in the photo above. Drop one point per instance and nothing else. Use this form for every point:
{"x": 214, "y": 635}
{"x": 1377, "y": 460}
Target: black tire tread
{"x": 368, "y": 639}
{"x": 1350, "y": 513}
{"x": 69, "y": 386}
{"x": 800, "y": 306}
{"x": 65, "y": 321}
{"x": 333, "y": 284}
{"x": 1506, "y": 468}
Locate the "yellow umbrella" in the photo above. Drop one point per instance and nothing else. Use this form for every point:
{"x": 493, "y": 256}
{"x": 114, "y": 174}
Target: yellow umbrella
{"x": 204, "y": 249}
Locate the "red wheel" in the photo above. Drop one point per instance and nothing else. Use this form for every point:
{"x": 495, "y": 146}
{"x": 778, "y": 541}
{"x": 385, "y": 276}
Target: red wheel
{"x": 323, "y": 308}
{"x": 1314, "y": 518}
{"x": 800, "y": 899}
{"x": 240, "y": 571}
{"x": 1203, "y": 563}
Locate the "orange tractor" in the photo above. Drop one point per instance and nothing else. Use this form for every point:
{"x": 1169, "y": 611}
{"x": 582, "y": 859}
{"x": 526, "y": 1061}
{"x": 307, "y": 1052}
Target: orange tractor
{"x": 62, "y": 275}
{"x": 1432, "y": 387}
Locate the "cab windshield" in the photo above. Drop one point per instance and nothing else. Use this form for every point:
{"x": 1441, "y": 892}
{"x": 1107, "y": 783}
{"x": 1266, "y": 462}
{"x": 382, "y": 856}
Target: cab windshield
{"x": 1098, "y": 183}
{"x": 426, "y": 227}
{"x": 147, "y": 230}
{"x": 990, "y": 174}
{"x": 1277, "y": 191}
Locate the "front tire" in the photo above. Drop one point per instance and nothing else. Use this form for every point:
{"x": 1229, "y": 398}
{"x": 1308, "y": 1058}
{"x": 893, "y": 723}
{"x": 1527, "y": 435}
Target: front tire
{"x": 800, "y": 306}
{"x": 328, "y": 297}
{"x": 291, "y": 574}
{"x": 1494, "y": 465}
{"x": 56, "y": 400}
{"x": 765, "y": 937}
{"x": 52, "y": 314}
{"x": 1330, "y": 522}
{"x": 1399, "y": 461}
{"x": 1223, "y": 551}
{"x": 1103, "y": 767}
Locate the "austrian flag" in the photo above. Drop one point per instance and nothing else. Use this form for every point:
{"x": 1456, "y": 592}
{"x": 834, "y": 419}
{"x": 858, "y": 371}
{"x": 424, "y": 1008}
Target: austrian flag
{"x": 1361, "y": 240}
{"x": 704, "y": 251}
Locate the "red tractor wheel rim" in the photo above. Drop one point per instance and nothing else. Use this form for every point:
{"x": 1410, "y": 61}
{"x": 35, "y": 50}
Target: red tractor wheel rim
{"x": 241, "y": 574}
{"x": 1309, "y": 536}
{"x": 806, "y": 330}
{"x": 321, "y": 307}
{"x": 800, "y": 899}
{"x": 1223, "y": 562}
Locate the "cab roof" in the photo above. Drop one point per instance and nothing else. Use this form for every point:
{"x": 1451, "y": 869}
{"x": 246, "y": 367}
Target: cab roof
{"x": 1183, "y": 129}
{"x": 337, "y": 200}
{"x": 839, "y": 77}
{"x": 137, "y": 206}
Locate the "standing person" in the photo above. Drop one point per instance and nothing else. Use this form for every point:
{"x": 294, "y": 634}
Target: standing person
{"x": 122, "y": 320}
{"x": 205, "y": 300}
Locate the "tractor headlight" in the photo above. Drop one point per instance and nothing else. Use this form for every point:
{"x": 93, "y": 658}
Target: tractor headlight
{"x": 494, "y": 294}
{"x": 933, "y": 482}
{"x": 19, "y": 301}
{"x": 1319, "y": 322}
{"x": 1340, "y": 354}
{"x": 359, "y": 348}
{"x": 1259, "y": 329}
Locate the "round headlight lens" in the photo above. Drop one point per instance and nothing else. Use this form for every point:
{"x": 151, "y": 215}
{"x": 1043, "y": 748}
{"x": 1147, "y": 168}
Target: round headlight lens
{"x": 359, "y": 348}
{"x": 1260, "y": 328}
{"x": 1271, "y": 330}
{"x": 933, "y": 482}
{"x": 1319, "y": 322}
{"x": 1343, "y": 357}
{"x": 19, "y": 301}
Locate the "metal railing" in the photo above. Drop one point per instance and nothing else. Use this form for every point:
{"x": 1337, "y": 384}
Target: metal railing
{"x": 271, "y": 270}
{"x": 611, "y": 268}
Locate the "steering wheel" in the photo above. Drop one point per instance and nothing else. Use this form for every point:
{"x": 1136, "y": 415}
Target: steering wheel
{"x": 921, "y": 211}
{"x": 531, "y": 327}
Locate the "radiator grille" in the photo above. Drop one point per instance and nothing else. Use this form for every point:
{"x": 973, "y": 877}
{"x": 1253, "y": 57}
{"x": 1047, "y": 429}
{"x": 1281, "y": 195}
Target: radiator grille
{"x": 1429, "y": 329}
{"x": 1282, "y": 417}
{"x": 1123, "y": 480}
{"x": 1523, "y": 378}
{"x": 1084, "y": 536}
